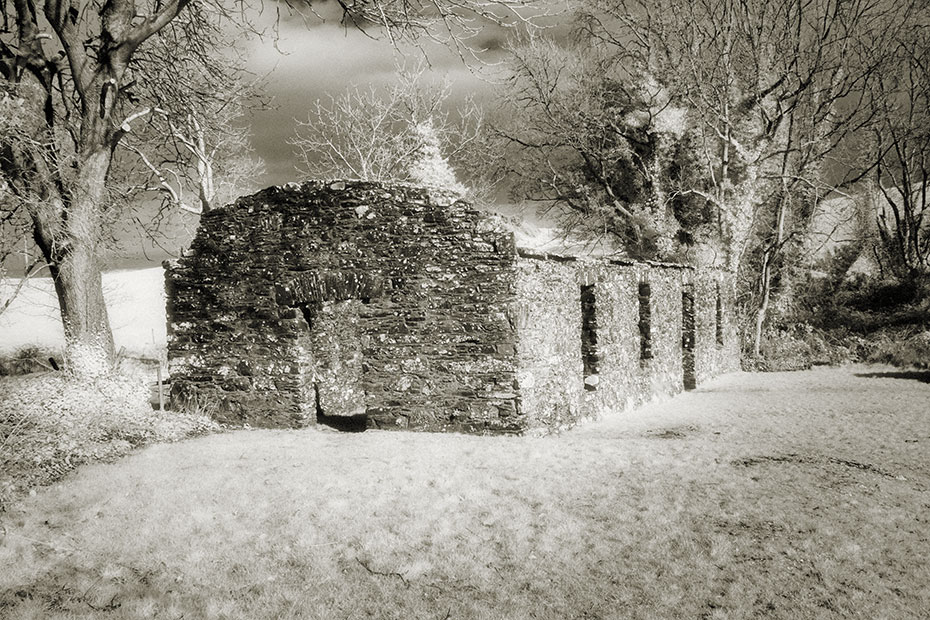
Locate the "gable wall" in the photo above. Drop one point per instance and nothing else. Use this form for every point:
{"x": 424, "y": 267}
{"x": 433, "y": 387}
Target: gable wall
{"x": 416, "y": 293}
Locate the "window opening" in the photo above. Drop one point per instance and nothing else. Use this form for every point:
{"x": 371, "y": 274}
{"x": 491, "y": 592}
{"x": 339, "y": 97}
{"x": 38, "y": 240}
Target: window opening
{"x": 645, "y": 321}
{"x": 687, "y": 339}
{"x": 589, "y": 337}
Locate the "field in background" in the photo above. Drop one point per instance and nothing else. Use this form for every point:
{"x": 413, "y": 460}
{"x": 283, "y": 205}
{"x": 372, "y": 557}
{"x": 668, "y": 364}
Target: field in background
{"x": 135, "y": 302}
{"x": 779, "y": 495}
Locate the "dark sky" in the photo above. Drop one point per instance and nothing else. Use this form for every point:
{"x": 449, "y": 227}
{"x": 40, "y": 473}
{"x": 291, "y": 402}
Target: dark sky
{"x": 311, "y": 60}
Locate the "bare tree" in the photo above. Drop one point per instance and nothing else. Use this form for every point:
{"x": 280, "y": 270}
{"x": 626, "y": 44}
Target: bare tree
{"x": 389, "y": 133}
{"x": 828, "y": 65}
{"x": 176, "y": 167}
{"x": 199, "y": 164}
{"x": 899, "y": 153}
{"x": 81, "y": 69}
{"x": 599, "y": 141}
{"x": 73, "y": 68}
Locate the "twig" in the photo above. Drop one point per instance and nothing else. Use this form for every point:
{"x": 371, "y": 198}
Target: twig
{"x": 31, "y": 271}
{"x": 109, "y": 606}
{"x": 380, "y": 574}
{"x": 91, "y": 587}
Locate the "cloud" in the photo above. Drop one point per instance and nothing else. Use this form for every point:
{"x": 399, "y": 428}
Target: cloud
{"x": 304, "y": 62}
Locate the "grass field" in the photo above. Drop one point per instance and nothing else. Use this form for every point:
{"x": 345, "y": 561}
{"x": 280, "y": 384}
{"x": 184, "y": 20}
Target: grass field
{"x": 782, "y": 495}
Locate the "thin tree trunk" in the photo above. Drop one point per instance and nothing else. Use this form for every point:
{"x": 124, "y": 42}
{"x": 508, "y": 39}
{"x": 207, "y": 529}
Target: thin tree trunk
{"x": 762, "y": 310}
{"x": 770, "y": 253}
{"x": 765, "y": 278}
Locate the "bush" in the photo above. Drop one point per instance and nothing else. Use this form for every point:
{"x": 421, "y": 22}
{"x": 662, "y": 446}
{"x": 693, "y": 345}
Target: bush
{"x": 882, "y": 295}
{"x": 800, "y": 346}
{"x": 781, "y": 349}
{"x": 52, "y": 423}
{"x": 27, "y": 360}
{"x": 902, "y": 350}
{"x": 861, "y": 319}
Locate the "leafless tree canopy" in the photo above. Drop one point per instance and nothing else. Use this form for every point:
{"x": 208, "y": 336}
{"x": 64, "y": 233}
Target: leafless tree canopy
{"x": 900, "y": 152}
{"x": 589, "y": 132}
{"x": 384, "y": 134}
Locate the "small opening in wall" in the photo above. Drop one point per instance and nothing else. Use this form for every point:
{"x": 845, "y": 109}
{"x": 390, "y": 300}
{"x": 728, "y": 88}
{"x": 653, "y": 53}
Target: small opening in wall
{"x": 719, "y": 317}
{"x": 645, "y": 321}
{"x": 344, "y": 423}
{"x": 309, "y": 314}
{"x": 589, "y": 337}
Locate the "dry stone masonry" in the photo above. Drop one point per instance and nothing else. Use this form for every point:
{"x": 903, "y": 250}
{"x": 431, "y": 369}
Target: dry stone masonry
{"x": 394, "y": 308}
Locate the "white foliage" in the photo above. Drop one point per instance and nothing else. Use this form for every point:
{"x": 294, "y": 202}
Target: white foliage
{"x": 429, "y": 167}
{"x": 671, "y": 120}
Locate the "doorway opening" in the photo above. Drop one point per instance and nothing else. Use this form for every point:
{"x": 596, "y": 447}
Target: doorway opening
{"x": 330, "y": 362}
{"x": 356, "y": 423}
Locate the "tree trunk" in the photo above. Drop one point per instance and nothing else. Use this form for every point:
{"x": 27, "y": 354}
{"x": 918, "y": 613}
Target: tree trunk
{"x": 79, "y": 287}
{"x": 765, "y": 277}
{"x": 68, "y": 231}
{"x": 771, "y": 252}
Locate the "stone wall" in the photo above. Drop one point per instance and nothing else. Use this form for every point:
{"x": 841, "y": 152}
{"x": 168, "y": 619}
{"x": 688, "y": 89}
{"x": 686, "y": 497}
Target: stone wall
{"x": 320, "y": 301}
{"x": 347, "y": 298}
{"x": 553, "y": 387}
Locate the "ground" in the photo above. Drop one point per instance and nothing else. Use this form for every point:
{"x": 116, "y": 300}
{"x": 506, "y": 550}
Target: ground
{"x": 780, "y": 495}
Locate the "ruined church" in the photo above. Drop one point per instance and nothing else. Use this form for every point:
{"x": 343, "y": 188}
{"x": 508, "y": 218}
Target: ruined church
{"x": 383, "y": 305}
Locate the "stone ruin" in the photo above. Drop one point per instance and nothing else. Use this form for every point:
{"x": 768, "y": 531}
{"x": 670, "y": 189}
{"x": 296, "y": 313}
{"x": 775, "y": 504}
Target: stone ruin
{"x": 365, "y": 305}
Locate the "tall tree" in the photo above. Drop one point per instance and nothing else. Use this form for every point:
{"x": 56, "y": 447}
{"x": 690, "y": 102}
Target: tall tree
{"x": 72, "y": 67}
{"x": 826, "y": 62}
{"x": 80, "y": 68}
{"x": 899, "y": 151}
{"x": 600, "y": 142}
{"x": 192, "y": 147}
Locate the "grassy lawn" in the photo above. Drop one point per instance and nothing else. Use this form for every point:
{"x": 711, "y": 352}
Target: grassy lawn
{"x": 783, "y": 495}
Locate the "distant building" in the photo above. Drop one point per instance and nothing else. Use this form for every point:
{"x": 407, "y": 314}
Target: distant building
{"x": 354, "y": 300}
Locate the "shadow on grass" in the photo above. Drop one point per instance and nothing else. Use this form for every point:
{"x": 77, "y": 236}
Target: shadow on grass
{"x": 916, "y": 375}
{"x": 345, "y": 424}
